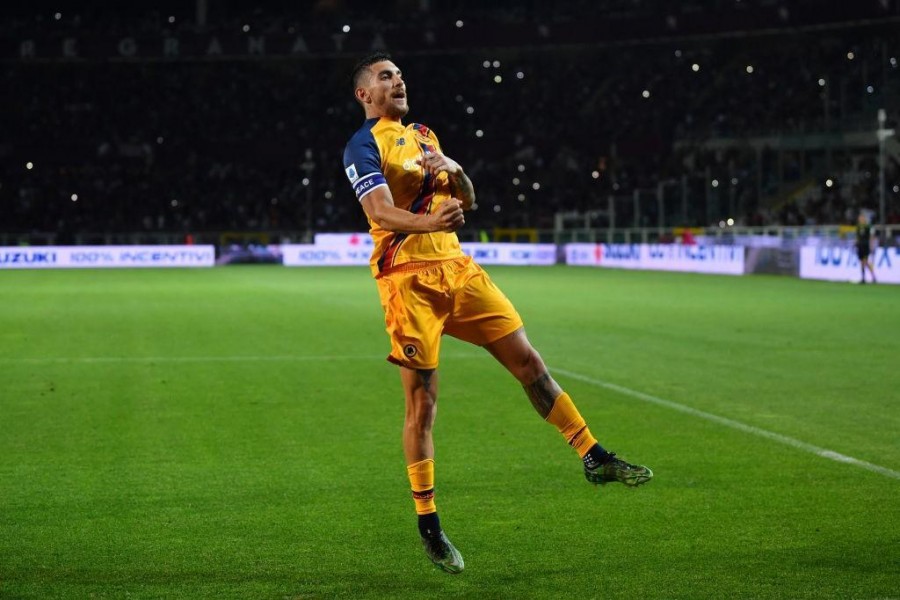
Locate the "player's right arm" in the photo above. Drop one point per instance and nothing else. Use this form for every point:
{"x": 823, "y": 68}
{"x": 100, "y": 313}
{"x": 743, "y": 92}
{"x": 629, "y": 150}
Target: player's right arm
{"x": 379, "y": 206}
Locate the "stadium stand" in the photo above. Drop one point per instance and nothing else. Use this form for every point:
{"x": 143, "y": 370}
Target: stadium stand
{"x": 764, "y": 112}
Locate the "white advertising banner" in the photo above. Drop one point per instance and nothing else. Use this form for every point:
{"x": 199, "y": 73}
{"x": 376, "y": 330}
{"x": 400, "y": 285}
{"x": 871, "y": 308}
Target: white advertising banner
{"x": 101, "y": 257}
{"x": 835, "y": 263}
{"x": 511, "y": 254}
{"x": 346, "y": 251}
{"x": 312, "y": 255}
{"x": 720, "y": 260}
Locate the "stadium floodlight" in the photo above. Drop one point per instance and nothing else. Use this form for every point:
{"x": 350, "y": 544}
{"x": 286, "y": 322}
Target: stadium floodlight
{"x": 29, "y": 165}
{"x": 459, "y": 23}
{"x": 74, "y": 197}
{"x": 851, "y": 55}
{"x": 645, "y": 93}
{"x": 695, "y": 67}
{"x": 345, "y": 29}
{"x": 749, "y": 69}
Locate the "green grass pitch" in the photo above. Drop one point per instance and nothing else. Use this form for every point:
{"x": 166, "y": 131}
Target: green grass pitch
{"x": 235, "y": 433}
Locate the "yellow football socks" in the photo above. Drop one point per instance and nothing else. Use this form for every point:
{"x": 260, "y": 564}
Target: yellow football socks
{"x": 571, "y": 425}
{"x": 421, "y": 477}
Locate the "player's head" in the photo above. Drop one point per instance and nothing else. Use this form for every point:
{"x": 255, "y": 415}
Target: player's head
{"x": 379, "y": 87}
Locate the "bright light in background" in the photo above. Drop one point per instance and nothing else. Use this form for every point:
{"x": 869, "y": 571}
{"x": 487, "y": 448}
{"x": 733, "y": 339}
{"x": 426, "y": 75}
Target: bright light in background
{"x": 496, "y": 208}
{"x": 171, "y": 19}
{"x": 521, "y": 168}
{"x": 497, "y": 79}
{"x": 595, "y": 174}
{"x": 470, "y": 110}
{"x": 829, "y": 182}
{"x": 479, "y": 133}
{"x": 496, "y": 64}
{"x": 520, "y": 75}
{"x": 345, "y": 29}
{"x": 678, "y": 54}
{"x": 57, "y": 16}
{"x": 850, "y": 55}
{"x": 749, "y": 68}
{"x": 74, "y": 197}
{"x": 695, "y": 67}
{"x": 870, "y": 89}
{"x": 897, "y": 189}
{"x": 516, "y": 181}
{"x": 645, "y": 93}
{"x": 521, "y": 197}
{"x": 893, "y": 61}
{"x": 715, "y": 183}
{"x": 459, "y": 23}
{"x": 159, "y": 140}
{"x": 535, "y": 186}
{"x": 29, "y": 165}
{"x": 305, "y": 181}
{"x": 328, "y": 195}
{"x": 486, "y": 64}
{"x": 821, "y": 82}
{"x": 730, "y": 221}
{"x": 245, "y": 28}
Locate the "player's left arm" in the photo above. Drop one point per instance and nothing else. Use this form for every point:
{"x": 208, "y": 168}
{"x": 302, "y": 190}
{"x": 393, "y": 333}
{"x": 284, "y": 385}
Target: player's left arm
{"x": 460, "y": 185}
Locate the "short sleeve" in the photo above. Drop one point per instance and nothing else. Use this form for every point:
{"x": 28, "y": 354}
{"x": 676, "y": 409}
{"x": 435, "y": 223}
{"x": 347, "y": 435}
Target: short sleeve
{"x": 362, "y": 163}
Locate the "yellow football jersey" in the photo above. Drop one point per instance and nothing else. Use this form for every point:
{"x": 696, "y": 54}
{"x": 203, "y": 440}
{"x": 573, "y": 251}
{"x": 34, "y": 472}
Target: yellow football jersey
{"x": 384, "y": 152}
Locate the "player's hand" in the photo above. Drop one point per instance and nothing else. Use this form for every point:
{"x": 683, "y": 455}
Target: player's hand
{"x": 435, "y": 163}
{"x": 449, "y": 215}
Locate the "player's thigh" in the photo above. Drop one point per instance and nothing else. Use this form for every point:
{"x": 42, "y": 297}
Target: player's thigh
{"x": 414, "y": 316}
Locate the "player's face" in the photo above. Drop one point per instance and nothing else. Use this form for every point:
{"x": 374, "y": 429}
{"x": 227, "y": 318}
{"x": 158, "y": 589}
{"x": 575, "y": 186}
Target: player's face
{"x": 386, "y": 91}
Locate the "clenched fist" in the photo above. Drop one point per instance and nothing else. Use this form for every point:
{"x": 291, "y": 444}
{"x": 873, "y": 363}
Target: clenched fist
{"x": 449, "y": 215}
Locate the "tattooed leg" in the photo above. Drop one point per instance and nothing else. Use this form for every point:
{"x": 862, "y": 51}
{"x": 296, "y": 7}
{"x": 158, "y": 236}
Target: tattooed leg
{"x": 543, "y": 392}
{"x": 420, "y": 387}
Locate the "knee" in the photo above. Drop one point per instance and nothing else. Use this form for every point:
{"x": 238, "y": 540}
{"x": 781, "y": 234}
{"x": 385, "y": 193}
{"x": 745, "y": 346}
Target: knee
{"x": 421, "y": 412}
{"x": 530, "y": 367}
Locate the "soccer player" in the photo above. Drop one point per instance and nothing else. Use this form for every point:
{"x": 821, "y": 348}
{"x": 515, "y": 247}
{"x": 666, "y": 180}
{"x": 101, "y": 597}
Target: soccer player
{"x": 864, "y": 246}
{"x": 414, "y": 197}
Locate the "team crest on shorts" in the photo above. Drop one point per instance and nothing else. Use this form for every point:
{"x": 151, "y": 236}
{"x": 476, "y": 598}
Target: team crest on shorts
{"x": 410, "y": 350}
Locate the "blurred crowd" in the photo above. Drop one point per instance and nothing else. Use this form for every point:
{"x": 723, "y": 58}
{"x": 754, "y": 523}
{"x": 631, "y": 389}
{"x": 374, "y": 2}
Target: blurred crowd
{"x": 256, "y": 144}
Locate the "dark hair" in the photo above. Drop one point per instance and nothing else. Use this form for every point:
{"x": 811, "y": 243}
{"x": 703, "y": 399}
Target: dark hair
{"x": 364, "y": 64}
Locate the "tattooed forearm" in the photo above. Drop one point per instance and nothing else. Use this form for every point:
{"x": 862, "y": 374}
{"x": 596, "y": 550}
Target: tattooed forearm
{"x": 542, "y": 393}
{"x": 461, "y": 187}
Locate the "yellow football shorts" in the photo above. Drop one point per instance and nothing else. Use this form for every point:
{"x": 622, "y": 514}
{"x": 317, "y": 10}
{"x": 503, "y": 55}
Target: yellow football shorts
{"x": 423, "y": 301}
